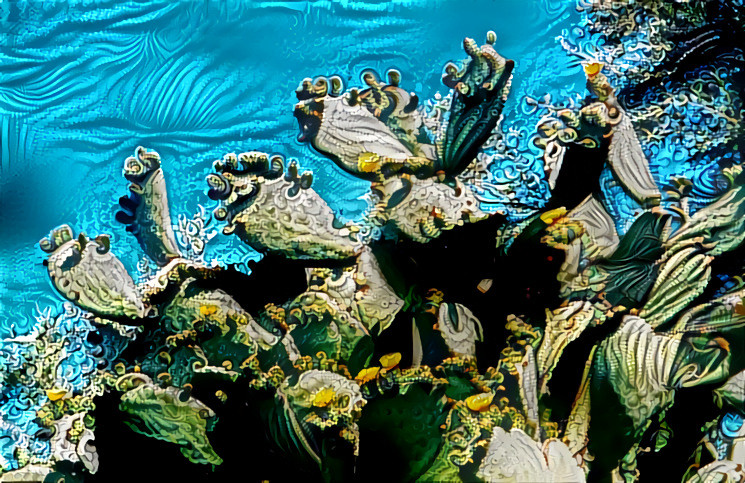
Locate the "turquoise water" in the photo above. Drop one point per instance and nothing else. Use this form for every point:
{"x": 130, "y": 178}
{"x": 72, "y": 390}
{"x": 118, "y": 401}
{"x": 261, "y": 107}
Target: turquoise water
{"x": 83, "y": 84}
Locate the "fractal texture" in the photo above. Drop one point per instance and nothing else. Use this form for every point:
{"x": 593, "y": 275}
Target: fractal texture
{"x": 431, "y": 241}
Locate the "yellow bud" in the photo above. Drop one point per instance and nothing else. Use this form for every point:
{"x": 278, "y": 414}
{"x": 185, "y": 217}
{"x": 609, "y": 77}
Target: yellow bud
{"x": 207, "y": 310}
{"x": 368, "y": 162}
{"x": 389, "y": 361}
{"x": 56, "y": 394}
{"x": 323, "y": 397}
{"x": 592, "y": 69}
{"x": 368, "y": 374}
{"x": 552, "y": 215}
{"x": 479, "y": 402}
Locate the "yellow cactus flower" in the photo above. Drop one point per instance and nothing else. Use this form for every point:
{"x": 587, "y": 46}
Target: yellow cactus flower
{"x": 593, "y": 68}
{"x": 368, "y": 162}
{"x": 323, "y": 397}
{"x": 56, "y": 394}
{"x": 366, "y": 375}
{"x": 553, "y": 215}
{"x": 208, "y": 310}
{"x": 389, "y": 361}
{"x": 479, "y": 402}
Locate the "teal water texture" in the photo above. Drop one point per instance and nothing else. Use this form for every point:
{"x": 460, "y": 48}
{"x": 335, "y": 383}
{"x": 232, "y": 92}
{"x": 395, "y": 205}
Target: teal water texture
{"x": 82, "y": 84}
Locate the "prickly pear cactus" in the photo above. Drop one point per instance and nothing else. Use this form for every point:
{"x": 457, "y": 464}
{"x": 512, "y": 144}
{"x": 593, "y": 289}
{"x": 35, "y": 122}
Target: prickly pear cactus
{"x": 438, "y": 337}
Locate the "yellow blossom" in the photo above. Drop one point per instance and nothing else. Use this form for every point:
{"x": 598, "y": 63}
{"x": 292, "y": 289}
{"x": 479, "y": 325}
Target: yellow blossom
{"x": 368, "y": 374}
{"x": 56, "y": 394}
{"x": 479, "y": 402}
{"x": 323, "y": 397}
{"x": 553, "y": 215}
{"x": 593, "y": 68}
{"x": 389, "y": 361}
{"x": 208, "y": 310}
